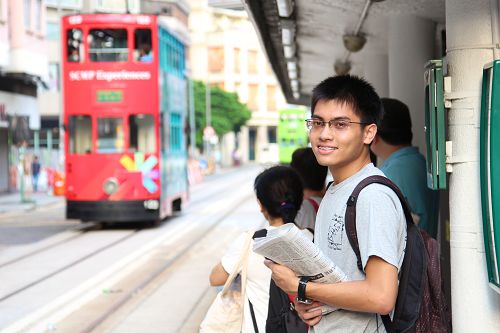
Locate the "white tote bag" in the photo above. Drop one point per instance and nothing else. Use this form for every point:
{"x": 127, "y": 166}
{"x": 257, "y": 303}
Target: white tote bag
{"x": 226, "y": 312}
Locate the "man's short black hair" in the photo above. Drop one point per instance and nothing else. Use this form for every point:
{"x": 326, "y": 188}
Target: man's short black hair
{"x": 353, "y": 91}
{"x": 395, "y": 127}
{"x": 313, "y": 174}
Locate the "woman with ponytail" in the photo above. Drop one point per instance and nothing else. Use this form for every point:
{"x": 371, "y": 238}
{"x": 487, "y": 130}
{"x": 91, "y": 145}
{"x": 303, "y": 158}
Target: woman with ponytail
{"x": 279, "y": 193}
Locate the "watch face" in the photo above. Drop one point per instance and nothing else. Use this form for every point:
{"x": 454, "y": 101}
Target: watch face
{"x": 303, "y": 301}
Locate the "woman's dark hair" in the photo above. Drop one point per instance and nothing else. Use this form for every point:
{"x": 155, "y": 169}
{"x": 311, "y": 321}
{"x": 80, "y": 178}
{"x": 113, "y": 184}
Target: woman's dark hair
{"x": 279, "y": 189}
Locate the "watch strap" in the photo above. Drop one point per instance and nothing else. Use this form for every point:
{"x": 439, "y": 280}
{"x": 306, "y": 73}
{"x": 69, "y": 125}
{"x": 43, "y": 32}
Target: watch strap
{"x": 301, "y": 291}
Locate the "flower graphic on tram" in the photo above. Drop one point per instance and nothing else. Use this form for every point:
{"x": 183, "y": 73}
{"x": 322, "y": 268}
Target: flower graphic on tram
{"x": 145, "y": 167}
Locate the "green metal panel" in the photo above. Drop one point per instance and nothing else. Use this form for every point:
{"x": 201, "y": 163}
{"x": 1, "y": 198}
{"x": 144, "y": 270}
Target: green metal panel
{"x": 489, "y": 162}
{"x": 435, "y": 125}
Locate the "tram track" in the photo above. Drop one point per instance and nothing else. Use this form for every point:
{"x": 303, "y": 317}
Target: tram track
{"x": 82, "y": 230}
{"x": 148, "y": 280}
{"x": 199, "y": 219}
{"x": 68, "y": 266}
{"x": 95, "y": 225}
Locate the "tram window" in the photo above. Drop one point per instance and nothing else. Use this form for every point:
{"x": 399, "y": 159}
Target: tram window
{"x": 110, "y": 135}
{"x": 74, "y": 38}
{"x": 142, "y": 45}
{"x": 107, "y": 45}
{"x": 142, "y": 134}
{"x": 80, "y": 134}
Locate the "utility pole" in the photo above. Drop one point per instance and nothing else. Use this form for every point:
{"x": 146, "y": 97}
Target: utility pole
{"x": 192, "y": 124}
{"x": 208, "y": 120}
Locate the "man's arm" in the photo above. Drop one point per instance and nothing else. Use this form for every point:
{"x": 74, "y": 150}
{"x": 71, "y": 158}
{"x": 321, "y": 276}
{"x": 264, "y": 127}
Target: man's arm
{"x": 376, "y": 293}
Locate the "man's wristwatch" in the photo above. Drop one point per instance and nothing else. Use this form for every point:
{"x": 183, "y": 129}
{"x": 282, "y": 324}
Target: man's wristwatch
{"x": 301, "y": 292}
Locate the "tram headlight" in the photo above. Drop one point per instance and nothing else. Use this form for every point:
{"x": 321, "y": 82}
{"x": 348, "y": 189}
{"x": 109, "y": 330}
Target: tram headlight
{"x": 151, "y": 204}
{"x": 110, "y": 185}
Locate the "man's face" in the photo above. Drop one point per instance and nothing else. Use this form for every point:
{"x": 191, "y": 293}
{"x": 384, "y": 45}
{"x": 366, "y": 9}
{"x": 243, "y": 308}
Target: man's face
{"x": 339, "y": 146}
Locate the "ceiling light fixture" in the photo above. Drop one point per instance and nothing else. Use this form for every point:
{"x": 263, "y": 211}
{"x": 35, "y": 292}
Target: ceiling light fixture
{"x": 285, "y": 7}
{"x": 342, "y": 67}
{"x": 354, "y": 43}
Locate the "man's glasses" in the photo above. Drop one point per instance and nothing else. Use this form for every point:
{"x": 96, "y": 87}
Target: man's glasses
{"x": 337, "y": 124}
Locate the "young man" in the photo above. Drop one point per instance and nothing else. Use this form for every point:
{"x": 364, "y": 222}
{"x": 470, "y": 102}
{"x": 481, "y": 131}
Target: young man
{"x": 345, "y": 111}
{"x": 404, "y": 165}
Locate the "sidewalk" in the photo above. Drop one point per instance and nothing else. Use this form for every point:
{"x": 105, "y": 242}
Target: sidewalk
{"x": 10, "y": 203}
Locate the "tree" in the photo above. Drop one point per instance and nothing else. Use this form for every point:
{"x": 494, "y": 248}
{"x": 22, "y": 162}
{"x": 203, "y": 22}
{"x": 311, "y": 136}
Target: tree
{"x": 227, "y": 112}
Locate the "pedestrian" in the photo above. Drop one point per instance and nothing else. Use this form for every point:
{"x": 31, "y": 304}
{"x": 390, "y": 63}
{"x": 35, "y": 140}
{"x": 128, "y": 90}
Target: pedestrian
{"x": 345, "y": 112}
{"x": 35, "y": 172}
{"x": 404, "y": 165}
{"x": 313, "y": 177}
{"x": 279, "y": 193}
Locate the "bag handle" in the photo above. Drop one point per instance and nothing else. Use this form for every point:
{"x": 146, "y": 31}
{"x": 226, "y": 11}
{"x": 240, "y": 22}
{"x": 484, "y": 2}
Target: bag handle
{"x": 241, "y": 266}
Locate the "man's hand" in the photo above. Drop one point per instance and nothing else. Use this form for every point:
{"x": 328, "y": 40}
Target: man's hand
{"x": 311, "y": 314}
{"x": 284, "y": 277}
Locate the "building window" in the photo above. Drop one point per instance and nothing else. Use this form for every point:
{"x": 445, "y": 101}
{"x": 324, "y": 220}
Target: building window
{"x": 216, "y": 59}
{"x": 142, "y": 45}
{"x": 142, "y": 134}
{"x": 70, "y": 4}
{"x": 27, "y": 14}
{"x": 38, "y": 15}
{"x": 237, "y": 64}
{"x": 271, "y": 134}
{"x": 53, "y": 80}
{"x": 252, "y": 62}
{"x": 253, "y": 94}
{"x": 271, "y": 98}
{"x": 110, "y": 135}
{"x": 108, "y": 45}
{"x": 80, "y": 135}
{"x": 74, "y": 38}
{"x": 219, "y": 85}
{"x": 53, "y": 31}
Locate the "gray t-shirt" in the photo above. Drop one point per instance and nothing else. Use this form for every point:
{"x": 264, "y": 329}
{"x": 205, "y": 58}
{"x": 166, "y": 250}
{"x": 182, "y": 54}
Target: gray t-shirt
{"x": 381, "y": 229}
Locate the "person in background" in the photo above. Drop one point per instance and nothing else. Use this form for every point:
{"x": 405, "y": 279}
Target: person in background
{"x": 279, "y": 193}
{"x": 345, "y": 112}
{"x": 145, "y": 54}
{"x": 35, "y": 172}
{"x": 313, "y": 177}
{"x": 404, "y": 165}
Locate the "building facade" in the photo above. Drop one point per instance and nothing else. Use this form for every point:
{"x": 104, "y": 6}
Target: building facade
{"x": 23, "y": 65}
{"x": 226, "y": 52}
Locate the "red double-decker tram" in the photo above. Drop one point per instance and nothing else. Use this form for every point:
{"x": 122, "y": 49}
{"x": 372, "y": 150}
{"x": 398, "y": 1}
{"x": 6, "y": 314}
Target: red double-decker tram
{"x": 124, "y": 109}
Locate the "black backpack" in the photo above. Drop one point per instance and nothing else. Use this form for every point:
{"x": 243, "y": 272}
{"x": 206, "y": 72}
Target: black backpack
{"x": 420, "y": 304}
{"x": 281, "y": 315}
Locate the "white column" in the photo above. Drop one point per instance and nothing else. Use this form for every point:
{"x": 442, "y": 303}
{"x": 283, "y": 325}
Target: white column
{"x": 376, "y": 72}
{"x": 411, "y": 45}
{"x": 476, "y": 307}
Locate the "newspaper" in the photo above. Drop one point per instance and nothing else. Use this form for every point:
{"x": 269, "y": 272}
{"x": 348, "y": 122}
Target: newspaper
{"x": 289, "y": 246}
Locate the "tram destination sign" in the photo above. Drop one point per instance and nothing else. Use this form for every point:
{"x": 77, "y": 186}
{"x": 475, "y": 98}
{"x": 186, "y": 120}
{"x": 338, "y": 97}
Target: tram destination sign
{"x": 109, "y": 96}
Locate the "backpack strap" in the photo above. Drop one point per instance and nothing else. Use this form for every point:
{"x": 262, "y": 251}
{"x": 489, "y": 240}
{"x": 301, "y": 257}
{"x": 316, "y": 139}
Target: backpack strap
{"x": 350, "y": 223}
{"x": 350, "y": 214}
{"x": 313, "y": 203}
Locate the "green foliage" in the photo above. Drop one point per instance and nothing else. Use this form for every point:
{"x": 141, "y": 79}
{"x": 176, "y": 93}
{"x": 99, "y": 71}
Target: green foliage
{"x": 228, "y": 113}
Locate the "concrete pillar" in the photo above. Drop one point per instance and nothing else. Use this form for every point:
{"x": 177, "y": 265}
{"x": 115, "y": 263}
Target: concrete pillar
{"x": 411, "y": 45}
{"x": 262, "y": 143}
{"x": 243, "y": 144}
{"x": 376, "y": 71}
{"x": 476, "y": 307}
